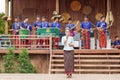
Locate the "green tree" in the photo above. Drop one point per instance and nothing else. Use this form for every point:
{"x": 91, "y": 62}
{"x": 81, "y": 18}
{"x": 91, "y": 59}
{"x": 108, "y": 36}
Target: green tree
{"x": 25, "y": 65}
{"x": 2, "y": 24}
{"x": 9, "y": 61}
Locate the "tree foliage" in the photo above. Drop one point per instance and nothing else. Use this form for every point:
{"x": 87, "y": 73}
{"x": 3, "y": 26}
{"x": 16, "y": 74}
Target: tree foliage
{"x": 2, "y": 24}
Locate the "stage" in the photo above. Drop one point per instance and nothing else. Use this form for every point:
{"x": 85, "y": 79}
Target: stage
{"x": 59, "y": 77}
{"x": 45, "y": 51}
{"x": 105, "y": 61}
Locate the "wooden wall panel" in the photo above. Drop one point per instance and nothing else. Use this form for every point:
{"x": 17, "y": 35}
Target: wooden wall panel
{"x": 33, "y": 8}
{"x": 115, "y": 29}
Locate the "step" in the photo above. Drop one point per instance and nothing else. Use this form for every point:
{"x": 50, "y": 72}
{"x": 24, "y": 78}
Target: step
{"x": 91, "y": 56}
{"x": 62, "y": 60}
{"x": 118, "y": 56}
{"x": 88, "y": 65}
{"x": 88, "y": 60}
{"x": 88, "y": 70}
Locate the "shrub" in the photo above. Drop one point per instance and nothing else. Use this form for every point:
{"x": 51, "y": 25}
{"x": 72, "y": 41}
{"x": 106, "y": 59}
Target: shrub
{"x": 9, "y": 61}
{"x": 25, "y": 65}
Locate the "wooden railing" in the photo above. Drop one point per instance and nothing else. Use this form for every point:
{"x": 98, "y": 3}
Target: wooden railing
{"x": 24, "y": 41}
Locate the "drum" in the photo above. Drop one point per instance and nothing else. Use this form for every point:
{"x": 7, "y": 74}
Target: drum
{"x": 24, "y": 33}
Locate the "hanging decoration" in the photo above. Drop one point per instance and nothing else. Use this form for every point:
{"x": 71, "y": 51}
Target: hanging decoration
{"x": 66, "y": 16}
{"x": 98, "y": 16}
{"x": 87, "y": 10}
{"x": 109, "y": 16}
{"x": 75, "y": 5}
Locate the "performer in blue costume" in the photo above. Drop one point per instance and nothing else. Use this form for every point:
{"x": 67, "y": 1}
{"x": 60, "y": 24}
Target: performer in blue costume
{"x": 101, "y": 27}
{"x": 55, "y": 23}
{"x": 86, "y": 25}
{"x": 16, "y": 26}
{"x": 116, "y": 43}
{"x": 37, "y": 23}
{"x": 25, "y": 25}
{"x": 15, "y": 29}
{"x": 44, "y": 23}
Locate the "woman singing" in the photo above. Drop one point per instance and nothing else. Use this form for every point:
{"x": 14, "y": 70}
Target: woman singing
{"x": 68, "y": 43}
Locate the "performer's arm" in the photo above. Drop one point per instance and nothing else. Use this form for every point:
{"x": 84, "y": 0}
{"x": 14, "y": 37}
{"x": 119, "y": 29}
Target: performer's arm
{"x": 21, "y": 26}
{"x": 63, "y": 41}
{"x": 72, "y": 42}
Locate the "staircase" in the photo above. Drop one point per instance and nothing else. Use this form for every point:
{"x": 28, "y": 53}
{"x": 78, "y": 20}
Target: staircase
{"x": 87, "y": 62}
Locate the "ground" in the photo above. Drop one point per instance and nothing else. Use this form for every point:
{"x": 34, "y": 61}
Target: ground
{"x": 59, "y": 77}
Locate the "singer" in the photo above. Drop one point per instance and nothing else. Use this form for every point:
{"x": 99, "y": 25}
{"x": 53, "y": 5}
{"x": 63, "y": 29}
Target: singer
{"x": 68, "y": 43}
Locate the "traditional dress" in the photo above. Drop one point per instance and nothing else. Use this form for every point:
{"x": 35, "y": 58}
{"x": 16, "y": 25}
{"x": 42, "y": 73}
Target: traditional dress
{"x": 102, "y": 34}
{"x": 44, "y": 41}
{"x": 68, "y": 55}
{"x": 56, "y": 39}
{"x": 16, "y": 27}
{"x": 26, "y": 26}
{"x": 86, "y": 26}
{"x": 37, "y": 25}
{"x": 71, "y": 26}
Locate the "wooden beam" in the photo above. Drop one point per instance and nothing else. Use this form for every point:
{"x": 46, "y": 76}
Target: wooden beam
{"x": 6, "y": 14}
{"x": 61, "y": 51}
{"x": 6, "y": 7}
{"x": 57, "y": 6}
{"x": 91, "y": 51}
{"x": 29, "y": 51}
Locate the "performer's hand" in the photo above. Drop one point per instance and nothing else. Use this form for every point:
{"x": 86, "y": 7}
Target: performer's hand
{"x": 37, "y": 27}
{"x": 71, "y": 44}
{"x": 16, "y": 30}
{"x": 65, "y": 42}
{"x": 11, "y": 30}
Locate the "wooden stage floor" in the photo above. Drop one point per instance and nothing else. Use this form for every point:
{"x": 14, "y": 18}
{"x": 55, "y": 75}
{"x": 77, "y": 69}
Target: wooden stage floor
{"x": 59, "y": 77}
{"x": 61, "y": 51}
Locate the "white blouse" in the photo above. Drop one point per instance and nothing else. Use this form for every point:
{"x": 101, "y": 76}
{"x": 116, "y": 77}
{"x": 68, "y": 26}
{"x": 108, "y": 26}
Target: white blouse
{"x": 69, "y": 40}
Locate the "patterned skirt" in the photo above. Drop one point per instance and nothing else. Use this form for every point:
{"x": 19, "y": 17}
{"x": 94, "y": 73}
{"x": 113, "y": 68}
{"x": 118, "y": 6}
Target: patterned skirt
{"x": 86, "y": 39}
{"x": 69, "y": 61}
{"x": 102, "y": 39}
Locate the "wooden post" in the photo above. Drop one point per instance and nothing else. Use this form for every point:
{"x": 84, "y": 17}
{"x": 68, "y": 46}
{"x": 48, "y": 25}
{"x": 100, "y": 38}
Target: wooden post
{"x": 6, "y": 14}
{"x": 57, "y": 6}
{"x": 11, "y": 8}
{"x": 108, "y": 5}
{"x": 50, "y": 41}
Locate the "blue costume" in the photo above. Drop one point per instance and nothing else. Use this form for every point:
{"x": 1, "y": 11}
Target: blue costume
{"x": 117, "y": 42}
{"x": 37, "y": 24}
{"x": 55, "y": 25}
{"x": 86, "y": 25}
{"x": 44, "y": 24}
{"x": 16, "y": 26}
{"x": 26, "y": 25}
{"x": 103, "y": 25}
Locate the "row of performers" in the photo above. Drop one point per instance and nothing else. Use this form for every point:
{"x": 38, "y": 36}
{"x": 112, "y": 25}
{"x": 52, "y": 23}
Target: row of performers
{"x": 86, "y": 26}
